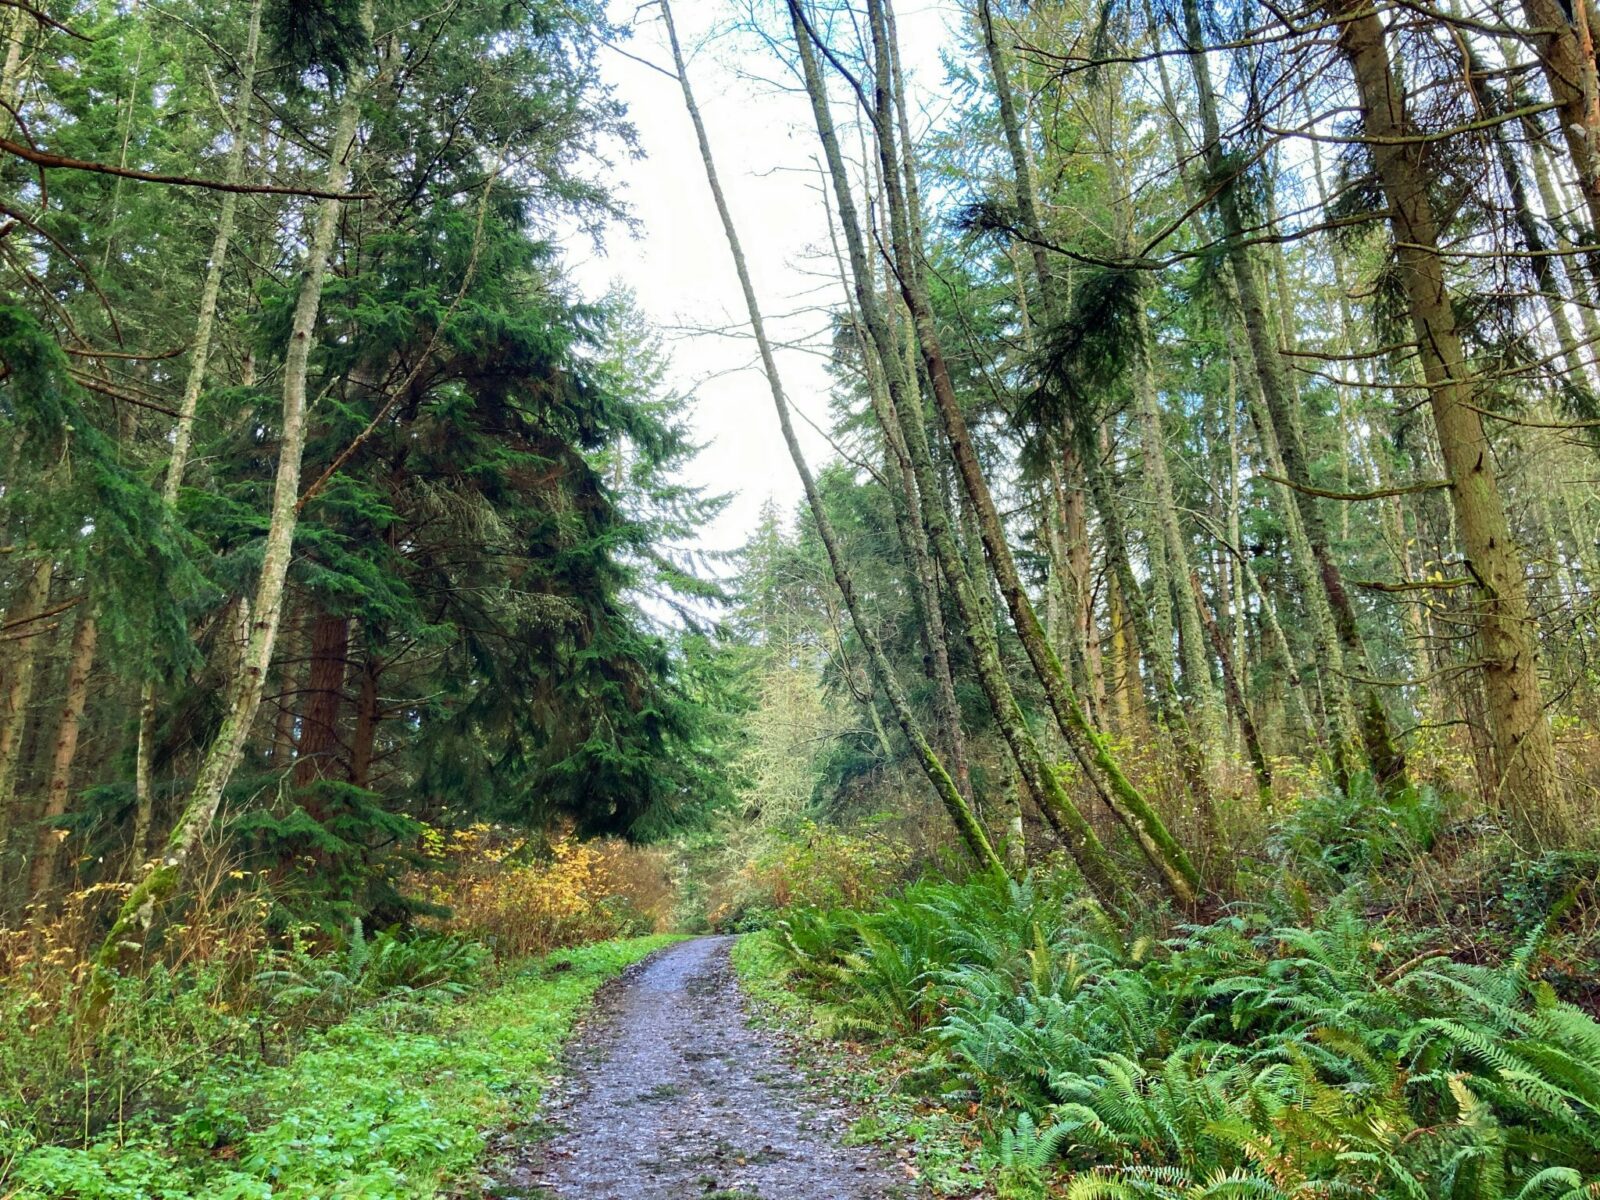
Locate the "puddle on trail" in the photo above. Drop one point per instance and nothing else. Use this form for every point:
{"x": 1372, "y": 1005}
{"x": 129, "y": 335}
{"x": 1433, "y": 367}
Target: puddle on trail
{"x": 669, "y": 1095}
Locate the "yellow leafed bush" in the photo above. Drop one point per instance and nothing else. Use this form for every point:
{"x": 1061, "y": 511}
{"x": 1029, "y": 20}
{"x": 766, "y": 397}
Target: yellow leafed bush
{"x": 520, "y": 898}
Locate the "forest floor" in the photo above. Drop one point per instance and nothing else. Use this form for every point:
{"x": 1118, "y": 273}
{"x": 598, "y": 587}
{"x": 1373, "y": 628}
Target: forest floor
{"x": 670, "y": 1093}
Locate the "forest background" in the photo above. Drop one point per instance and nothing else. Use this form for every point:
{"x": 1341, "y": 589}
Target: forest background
{"x": 1169, "y": 712}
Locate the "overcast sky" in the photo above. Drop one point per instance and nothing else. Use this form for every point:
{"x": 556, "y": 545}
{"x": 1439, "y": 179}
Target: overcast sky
{"x": 679, "y": 266}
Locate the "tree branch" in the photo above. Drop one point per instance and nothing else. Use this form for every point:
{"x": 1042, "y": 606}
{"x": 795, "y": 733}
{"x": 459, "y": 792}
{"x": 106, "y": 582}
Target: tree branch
{"x": 44, "y": 158}
{"x": 1408, "y": 489}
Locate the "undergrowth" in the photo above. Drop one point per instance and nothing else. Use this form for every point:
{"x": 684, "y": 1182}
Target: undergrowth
{"x": 393, "y": 1100}
{"x": 1343, "y": 1054}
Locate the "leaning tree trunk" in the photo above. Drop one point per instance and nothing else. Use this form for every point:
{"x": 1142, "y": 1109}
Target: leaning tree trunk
{"x": 1382, "y": 753}
{"x": 926, "y": 610}
{"x": 1578, "y": 279}
{"x": 1130, "y": 806}
{"x": 1497, "y": 104}
{"x": 183, "y": 427}
{"x": 1036, "y": 770}
{"x": 1524, "y": 748}
{"x": 244, "y": 694}
{"x": 967, "y": 826}
{"x": 227, "y": 748}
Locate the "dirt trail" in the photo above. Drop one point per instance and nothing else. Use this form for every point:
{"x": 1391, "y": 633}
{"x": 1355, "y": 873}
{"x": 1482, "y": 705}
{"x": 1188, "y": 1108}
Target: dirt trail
{"x": 669, "y": 1095}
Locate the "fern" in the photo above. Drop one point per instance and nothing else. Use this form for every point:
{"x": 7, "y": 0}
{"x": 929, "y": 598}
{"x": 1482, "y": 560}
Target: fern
{"x": 1239, "y": 1058}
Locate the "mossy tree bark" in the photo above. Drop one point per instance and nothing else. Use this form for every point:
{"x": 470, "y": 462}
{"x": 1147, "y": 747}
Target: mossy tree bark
{"x": 903, "y": 402}
{"x": 1524, "y": 749}
{"x": 194, "y": 382}
{"x": 960, "y": 811}
{"x": 248, "y": 680}
{"x": 1130, "y": 806}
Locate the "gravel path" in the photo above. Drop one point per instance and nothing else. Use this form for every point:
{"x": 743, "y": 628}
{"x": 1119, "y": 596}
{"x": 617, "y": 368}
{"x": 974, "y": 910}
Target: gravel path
{"x": 669, "y": 1095}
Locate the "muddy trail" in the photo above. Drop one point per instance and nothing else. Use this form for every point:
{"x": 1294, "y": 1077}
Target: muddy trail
{"x": 669, "y": 1094}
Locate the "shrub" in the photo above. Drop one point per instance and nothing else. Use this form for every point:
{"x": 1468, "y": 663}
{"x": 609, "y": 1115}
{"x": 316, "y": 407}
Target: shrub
{"x": 1237, "y": 1057}
{"x": 522, "y": 898}
{"x": 814, "y": 866}
{"x": 1341, "y": 835}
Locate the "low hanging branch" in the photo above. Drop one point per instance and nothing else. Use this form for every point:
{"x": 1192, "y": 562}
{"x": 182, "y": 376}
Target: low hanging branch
{"x": 91, "y": 352}
{"x": 1406, "y": 489}
{"x": 1414, "y": 585}
{"x": 44, "y": 615}
{"x": 90, "y": 383}
{"x": 43, "y": 158}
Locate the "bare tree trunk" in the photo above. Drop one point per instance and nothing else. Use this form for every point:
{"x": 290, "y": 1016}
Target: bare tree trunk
{"x": 1577, "y": 277}
{"x": 1184, "y": 583}
{"x": 19, "y": 653}
{"x": 1125, "y": 800}
{"x": 971, "y": 832}
{"x": 1524, "y": 747}
{"x": 324, "y": 699}
{"x": 244, "y": 697}
{"x": 1494, "y": 103}
{"x": 11, "y": 67}
{"x": 1079, "y": 581}
{"x": 1230, "y": 683}
{"x": 80, "y": 661}
{"x": 1126, "y": 691}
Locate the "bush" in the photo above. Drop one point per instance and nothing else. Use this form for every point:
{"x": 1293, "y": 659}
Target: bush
{"x": 815, "y": 866}
{"x": 1338, "y": 836}
{"x": 1239, "y": 1057}
{"x": 521, "y": 898}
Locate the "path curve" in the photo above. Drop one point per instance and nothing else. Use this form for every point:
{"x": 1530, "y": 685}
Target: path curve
{"x": 669, "y": 1094}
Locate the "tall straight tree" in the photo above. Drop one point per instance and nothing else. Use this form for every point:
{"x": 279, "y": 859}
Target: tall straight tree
{"x": 1524, "y": 749}
{"x": 266, "y": 609}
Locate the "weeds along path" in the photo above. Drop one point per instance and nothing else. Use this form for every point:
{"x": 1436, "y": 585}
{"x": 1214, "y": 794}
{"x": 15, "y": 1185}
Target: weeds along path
{"x": 669, "y": 1094}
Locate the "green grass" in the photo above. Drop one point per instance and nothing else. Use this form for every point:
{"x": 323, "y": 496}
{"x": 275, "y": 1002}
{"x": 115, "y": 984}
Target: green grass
{"x": 394, "y": 1102}
{"x": 950, "y": 1158}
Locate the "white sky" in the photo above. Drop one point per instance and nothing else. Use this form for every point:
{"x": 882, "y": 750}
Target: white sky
{"x": 679, "y": 266}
